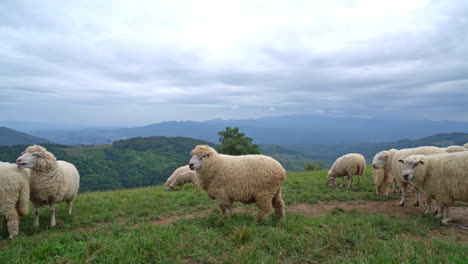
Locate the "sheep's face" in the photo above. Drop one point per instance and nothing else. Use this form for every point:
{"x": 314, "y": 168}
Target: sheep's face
{"x": 409, "y": 166}
{"x": 169, "y": 187}
{"x": 380, "y": 160}
{"x": 29, "y": 159}
{"x": 331, "y": 180}
{"x": 197, "y": 160}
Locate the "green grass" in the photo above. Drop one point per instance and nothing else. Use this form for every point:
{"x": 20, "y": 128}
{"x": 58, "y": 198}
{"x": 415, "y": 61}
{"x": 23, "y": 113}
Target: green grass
{"x": 117, "y": 227}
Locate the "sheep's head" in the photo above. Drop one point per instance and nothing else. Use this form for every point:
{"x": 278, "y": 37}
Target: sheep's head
{"x": 331, "y": 180}
{"x": 380, "y": 159}
{"x": 35, "y": 157}
{"x": 409, "y": 166}
{"x": 199, "y": 154}
{"x": 170, "y": 187}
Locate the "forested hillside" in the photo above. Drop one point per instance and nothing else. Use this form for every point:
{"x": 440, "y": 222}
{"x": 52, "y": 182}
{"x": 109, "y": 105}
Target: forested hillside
{"x": 124, "y": 164}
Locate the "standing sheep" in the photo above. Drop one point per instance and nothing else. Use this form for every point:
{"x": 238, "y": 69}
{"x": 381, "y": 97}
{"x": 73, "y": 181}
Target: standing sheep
{"x": 454, "y": 148}
{"x": 347, "y": 165}
{"x": 382, "y": 176}
{"x": 175, "y": 174}
{"x": 52, "y": 180}
{"x": 182, "y": 179}
{"x": 14, "y": 196}
{"x": 389, "y": 162}
{"x": 248, "y": 179}
{"x": 441, "y": 176}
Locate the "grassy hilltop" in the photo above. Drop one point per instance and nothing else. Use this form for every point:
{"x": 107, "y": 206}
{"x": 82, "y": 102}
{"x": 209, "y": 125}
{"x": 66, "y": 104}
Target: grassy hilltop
{"x": 322, "y": 225}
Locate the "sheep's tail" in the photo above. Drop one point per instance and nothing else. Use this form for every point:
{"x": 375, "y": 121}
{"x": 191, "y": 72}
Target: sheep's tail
{"x": 23, "y": 201}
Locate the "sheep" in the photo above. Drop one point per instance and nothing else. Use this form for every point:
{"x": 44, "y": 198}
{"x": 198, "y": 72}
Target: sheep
{"x": 182, "y": 179}
{"x": 52, "y": 181}
{"x": 389, "y": 161}
{"x": 382, "y": 176}
{"x": 247, "y": 178}
{"x": 347, "y": 165}
{"x": 441, "y": 176}
{"x": 175, "y": 174}
{"x": 454, "y": 148}
{"x": 14, "y": 196}
{"x": 466, "y": 145}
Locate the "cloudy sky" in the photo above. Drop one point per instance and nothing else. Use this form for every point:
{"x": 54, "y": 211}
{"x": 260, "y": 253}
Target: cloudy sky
{"x": 140, "y": 62}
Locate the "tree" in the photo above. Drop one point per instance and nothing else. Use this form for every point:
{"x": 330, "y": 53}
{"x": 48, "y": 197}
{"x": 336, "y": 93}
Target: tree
{"x": 319, "y": 165}
{"x": 234, "y": 142}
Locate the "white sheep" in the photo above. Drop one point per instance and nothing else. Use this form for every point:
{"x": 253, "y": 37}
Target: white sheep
{"x": 175, "y": 174}
{"x": 347, "y": 165}
{"x": 443, "y": 177}
{"x": 248, "y": 179}
{"x": 382, "y": 176}
{"x": 14, "y": 196}
{"x": 389, "y": 162}
{"x": 454, "y": 148}
{"x": 182, "y": 179}
{"x": 52, "y": 181}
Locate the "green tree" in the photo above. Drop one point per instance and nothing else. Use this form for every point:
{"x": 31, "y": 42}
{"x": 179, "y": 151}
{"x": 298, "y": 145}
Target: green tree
{"x": 234, "y": 142}
{"x": 319, "y": 165}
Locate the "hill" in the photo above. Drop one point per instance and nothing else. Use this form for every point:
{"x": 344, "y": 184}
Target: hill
{"x": 10, "y": 137}
{"x": 280, "y": 130}
{"x": 329, "y": 152}
{"x": 124, "y": 164}
{"x": 322, "y": 225}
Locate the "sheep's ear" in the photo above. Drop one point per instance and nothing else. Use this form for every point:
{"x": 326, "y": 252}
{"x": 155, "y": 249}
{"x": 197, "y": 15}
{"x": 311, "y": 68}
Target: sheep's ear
{"x": 38, "y": 154}
{"x": 401, "y": 161}
{"x": 421, "y": 161}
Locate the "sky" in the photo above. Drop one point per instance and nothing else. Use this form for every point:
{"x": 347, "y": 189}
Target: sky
{"x": 130, "y": 63}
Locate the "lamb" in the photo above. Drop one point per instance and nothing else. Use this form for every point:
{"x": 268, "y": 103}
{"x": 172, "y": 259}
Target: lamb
{"x": 441, "y": 176}
{"x": 382, "y": 176}
{"x": 347, "y": 165}
{"x": 389, "y": 161}
{"x": 175, "y": 174}
{"x": 14, "y": 196}
{"x": 182, "y": 179}
{"x": 454, "y": 148}
{"x": 247, "y": 178}
{"x": 52, "y": 181}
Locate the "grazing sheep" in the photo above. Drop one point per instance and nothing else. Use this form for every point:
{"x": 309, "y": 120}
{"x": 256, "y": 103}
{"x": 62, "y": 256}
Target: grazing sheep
{"x": 389, "y": 162}
{"x": 382, "y": 176}
{"x": 175, "y": 174}
{"x": 454, "y": 148}
{"x": 52, "y": 181}
{"x": 248, "y": 179}
{"x": 442, "y": 177}
{"x": 347, "y": 165}
{"x": 182, "y": 179}
{"x": 14, "y": 196}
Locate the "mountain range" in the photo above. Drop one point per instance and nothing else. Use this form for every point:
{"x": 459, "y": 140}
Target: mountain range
{"x": 10, "y": 137}
{"x": 280, "y": 130}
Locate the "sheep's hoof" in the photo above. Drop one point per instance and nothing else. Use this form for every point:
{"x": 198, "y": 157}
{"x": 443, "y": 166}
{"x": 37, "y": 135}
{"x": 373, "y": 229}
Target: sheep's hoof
{"x": 442, "y": 224}
{"x": 402, "y": 204}
{"x": 416, "y": 204}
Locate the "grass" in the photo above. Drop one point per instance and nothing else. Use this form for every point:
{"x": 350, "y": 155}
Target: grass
{"x": 117, "y": 227}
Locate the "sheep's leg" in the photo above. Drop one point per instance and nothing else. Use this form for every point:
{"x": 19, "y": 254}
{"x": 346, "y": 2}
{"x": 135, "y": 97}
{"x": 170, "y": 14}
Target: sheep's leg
{"x": 12, "y": 223}
{"x": 264, "y": 208}
{"x": 403, "y": 195}
{"x": 440, "y": 211}
{"x": 70, "y": 204}
{"x": 394, "y": 187}
{"x": 53, "y": 207}
{"x": 446, "y": 219}
{"x": 342, "y": 181}
{"x": 226, "y": 206}
{"x": 37, "y": 211}
{"x": 437, "y": 208}
{"x": 278, "y": 204}
{"x": 182, "y": 187}
{"x": 350, "y": 181}
{"x": 416, "y": 201}
{"x": 359, "y": 180}
{"x": 386, "y": 188}
{"x": 428, "y": 206}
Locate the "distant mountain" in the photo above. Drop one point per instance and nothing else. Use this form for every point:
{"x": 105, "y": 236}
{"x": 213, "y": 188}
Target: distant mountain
{"x": 10, "y": 137}
{"x": 281, "y": 130}
{"x": 330, "y": 152}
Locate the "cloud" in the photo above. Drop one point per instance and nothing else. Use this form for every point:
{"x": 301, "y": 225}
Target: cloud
{"x": 147, "y": 61}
